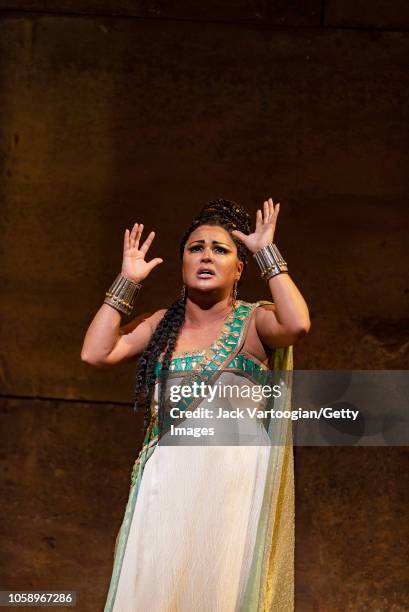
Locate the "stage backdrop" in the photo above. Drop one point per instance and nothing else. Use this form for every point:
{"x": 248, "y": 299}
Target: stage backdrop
{"x": 115, "y": 112}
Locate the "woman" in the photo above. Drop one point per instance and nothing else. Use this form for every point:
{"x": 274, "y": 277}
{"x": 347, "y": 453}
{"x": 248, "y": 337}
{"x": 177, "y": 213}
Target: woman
{"x": 208, "y": 528}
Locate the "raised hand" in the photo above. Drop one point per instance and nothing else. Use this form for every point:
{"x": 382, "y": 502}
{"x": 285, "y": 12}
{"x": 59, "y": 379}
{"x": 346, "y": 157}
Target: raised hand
{"x": 134, "y": 265}
{"x": 265, "y": 227}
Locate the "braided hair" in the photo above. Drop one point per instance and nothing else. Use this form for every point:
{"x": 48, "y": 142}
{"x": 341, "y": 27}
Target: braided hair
{"x": 219, "y": 212}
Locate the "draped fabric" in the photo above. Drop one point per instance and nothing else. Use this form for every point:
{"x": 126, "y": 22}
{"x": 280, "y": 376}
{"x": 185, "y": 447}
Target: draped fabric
{"x": 211, "y": 528}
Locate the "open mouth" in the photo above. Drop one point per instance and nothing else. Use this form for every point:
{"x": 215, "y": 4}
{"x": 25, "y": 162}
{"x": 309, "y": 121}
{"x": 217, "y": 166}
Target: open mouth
{"x": 205, "y": 273}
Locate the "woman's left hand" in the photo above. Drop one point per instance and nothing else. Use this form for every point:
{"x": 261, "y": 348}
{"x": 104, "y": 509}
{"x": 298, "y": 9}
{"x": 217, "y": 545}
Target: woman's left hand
{"x": 265, "y": 228}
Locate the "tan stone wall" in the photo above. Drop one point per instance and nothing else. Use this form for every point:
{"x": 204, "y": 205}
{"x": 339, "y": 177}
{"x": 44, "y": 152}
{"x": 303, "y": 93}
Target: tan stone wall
{"x": 113, "y": 113}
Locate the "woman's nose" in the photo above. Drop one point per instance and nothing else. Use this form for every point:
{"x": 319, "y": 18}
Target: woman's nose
{"x": 207, "y": 254}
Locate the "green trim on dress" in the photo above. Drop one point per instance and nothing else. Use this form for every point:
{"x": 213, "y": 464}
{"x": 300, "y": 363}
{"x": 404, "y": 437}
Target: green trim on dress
{"x": 205, "y": 364}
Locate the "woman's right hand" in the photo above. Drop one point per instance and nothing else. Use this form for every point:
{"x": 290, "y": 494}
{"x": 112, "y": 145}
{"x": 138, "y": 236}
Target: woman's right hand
{"x": 134, "y": 265}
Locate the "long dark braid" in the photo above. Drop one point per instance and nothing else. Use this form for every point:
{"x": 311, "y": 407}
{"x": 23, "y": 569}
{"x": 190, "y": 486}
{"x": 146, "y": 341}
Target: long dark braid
{"x": 226, "y": 214}
{"x": 164, "y": 337}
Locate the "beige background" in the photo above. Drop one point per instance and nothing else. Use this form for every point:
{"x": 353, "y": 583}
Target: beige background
{"x": 116, "y": 112}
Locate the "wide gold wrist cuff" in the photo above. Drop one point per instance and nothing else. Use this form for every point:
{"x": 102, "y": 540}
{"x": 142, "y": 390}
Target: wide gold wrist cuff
{"x": 122, "y": 294}
{"x": 271, "y": 261}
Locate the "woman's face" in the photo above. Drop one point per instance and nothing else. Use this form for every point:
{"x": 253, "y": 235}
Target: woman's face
{"x": 210, "y": 260}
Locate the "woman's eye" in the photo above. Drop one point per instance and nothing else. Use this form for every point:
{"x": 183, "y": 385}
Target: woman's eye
{"x": 196, "y": 247}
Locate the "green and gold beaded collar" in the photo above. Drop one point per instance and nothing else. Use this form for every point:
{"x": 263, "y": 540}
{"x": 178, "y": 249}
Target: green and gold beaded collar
{"x": 222, "y": 351}
{"x": 214, "y": 357}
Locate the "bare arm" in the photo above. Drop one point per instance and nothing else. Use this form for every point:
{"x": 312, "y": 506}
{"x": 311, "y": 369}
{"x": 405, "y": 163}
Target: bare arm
{"x": 284, "y": 322}
{"x": 106, "y": 342}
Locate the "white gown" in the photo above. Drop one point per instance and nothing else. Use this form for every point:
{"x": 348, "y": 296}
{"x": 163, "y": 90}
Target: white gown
{"x": 193, "y": 530}
{"x": 210, "y": 528}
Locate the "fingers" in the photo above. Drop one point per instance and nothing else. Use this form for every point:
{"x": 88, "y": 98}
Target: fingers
{"x": 147, "y": 243}
{"x": 135, "y": 235}
{"x": 154, "y": 262}
{"x": 266, "y": 217}
{"x": 259, "y": 218}
{"x": 239, "y": 235}
{"x": 270, "y": 211}
{"x": 138, "y": 235}
{"x": 274, "y": 210}
{"x": 130, "y": 238}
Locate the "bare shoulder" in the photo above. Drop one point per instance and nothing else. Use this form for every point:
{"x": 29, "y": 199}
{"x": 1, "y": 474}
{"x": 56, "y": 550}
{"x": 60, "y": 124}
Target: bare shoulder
{"x": 267, "y": 327}
{"x": 270, "y": 331}
{"x": 263, "y": 315}
{"x": 263, "y": 306}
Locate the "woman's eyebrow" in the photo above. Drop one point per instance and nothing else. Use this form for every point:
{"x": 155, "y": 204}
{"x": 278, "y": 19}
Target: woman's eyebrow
{"x": 213, "y": 242}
